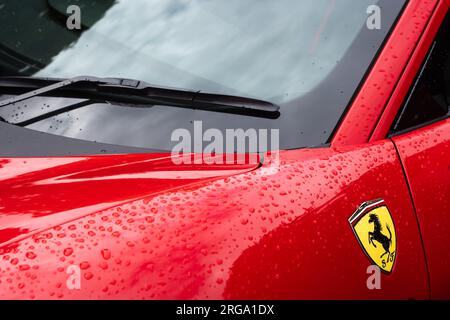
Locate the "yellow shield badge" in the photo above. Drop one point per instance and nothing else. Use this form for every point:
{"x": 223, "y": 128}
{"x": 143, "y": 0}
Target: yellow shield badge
{"x": 374, "y": 228}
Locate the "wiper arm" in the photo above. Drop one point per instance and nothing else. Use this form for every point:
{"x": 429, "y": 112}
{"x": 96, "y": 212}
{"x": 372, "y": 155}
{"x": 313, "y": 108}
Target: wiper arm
{"x": 137, "y": 93}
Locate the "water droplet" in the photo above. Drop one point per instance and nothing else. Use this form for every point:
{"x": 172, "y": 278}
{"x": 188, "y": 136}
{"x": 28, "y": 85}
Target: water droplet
{"x": 106, "y": 254}
{"x": 67, "y": 251}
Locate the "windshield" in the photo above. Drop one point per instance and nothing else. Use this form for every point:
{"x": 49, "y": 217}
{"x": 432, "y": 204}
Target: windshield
{"x": 308, "y": 56}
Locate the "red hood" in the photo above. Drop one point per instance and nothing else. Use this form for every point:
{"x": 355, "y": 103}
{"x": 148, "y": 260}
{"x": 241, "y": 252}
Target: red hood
{"x": 139, "y": 226}
{"x": 41, "y": 193}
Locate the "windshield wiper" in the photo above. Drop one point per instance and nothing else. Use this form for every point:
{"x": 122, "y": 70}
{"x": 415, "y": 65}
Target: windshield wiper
{"x": 135, "y": 93}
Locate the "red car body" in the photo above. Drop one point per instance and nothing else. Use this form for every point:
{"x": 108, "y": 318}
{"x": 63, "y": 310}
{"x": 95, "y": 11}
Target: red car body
{"x": 140, "y": 227}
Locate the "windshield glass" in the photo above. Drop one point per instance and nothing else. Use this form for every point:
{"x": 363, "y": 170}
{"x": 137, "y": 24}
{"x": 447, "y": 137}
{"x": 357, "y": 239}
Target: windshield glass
{"x": 308, "y": 56}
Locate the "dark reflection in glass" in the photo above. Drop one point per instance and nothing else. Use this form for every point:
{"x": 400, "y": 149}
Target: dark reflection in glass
{"x": 33, "y": 32}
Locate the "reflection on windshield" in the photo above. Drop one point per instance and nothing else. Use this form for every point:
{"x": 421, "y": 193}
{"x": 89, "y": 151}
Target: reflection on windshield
{"x": 270, "y": 49}
{"x": 309, "y": 56}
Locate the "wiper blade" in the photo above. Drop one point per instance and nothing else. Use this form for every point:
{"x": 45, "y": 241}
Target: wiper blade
{"x": 136, "y": 93}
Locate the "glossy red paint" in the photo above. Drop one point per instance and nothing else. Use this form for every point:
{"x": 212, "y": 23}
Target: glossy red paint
{"x": 272, "y": 232}
{"x": 41, "y": 193}
{"x": 369, "y": 104}
{"x": 425, "y": 154}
